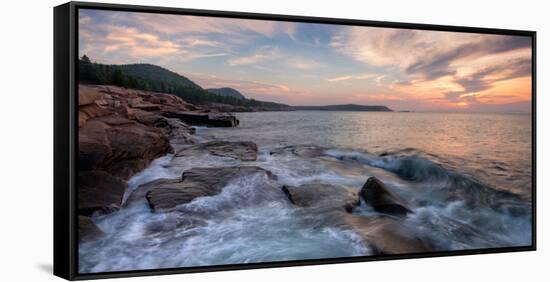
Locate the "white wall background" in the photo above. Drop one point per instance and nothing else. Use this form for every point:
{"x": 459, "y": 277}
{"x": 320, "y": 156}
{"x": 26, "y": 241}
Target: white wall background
{"x": 27, "y": 126}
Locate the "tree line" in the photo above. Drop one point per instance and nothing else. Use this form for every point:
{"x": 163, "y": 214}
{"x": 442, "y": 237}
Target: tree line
{"x": 157, "y": 79}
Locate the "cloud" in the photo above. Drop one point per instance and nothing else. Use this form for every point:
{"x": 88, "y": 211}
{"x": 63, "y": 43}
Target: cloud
{"x": 274, "y": 54}
{"x": 451, "y": 68}
{"x": 302, "y": 63}
{"x": 486, "y": 78}
{"x": 428, "y": 54}
{"x": 264, "y": 53}
{"x": 236, "y": 28}
{"x": 382, "y": 46}
{"x": 137, "y": 43}
{"x": 251, "y": 89}
{"x": 187, "y": 56}
{"x": 200, "y": 41}
{"x": 366, "y": 76}
{"x": 440, "y": 64}
{"x": 453, "y": 96}
{"x": 245, "y": 86}
{"x": 127, "y": 36}
{"x": 83, "y": 20}
{"x": 110, "y": 43}
{"x": 246, "y": 60}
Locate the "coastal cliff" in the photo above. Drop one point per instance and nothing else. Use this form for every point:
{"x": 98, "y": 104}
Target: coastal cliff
{"x": 120, "y": 131}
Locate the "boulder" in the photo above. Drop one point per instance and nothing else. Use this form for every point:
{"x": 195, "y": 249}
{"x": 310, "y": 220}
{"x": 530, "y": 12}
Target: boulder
{"x": 386, "y": 235}
{"x": 170, "y": 100}
{"x": 88, "y": 95}
{"x": 242, "y": 150}
{"x": 222, "y": 175}
{"x": 377, "y": 195}
{"x": 90, "y": 111}
{"x": 119, "y": 146}
{"x": 306, "y": 151}
{"x": 230, "y": 108}
{"x": 170, "y": 193}
{"x": 118, "y": 91}
{"x": 139, "y": 193}
{"x": 166, "y": 194}
{"x": 204, "y": 119}
{"x": 177, "y": 131}
{"x": 323, "y": 196}
{"x": 87, "y": 230}
{"x": 93, "y": 146}
{"x": 146, "y": 107}
{"x": 118, "y": 139}
{"x": 134, "y": 148}
{"x": 99, "y": 191}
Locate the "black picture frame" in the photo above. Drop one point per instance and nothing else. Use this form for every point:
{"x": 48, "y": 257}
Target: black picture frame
{"x": 66, "y": 134}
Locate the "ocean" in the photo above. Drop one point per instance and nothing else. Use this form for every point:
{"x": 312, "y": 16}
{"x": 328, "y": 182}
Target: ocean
{"x": 466, "y": 176}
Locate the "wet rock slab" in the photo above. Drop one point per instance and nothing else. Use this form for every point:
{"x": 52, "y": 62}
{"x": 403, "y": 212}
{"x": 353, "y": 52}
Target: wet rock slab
{"x": 242, "y": 150}
{"x": 322, "y": 196}
{"x": 87, "y": 230}
{"x": 386, "y": 235}
{"x": 305, "y": 151}
{"x": 99, "y": 191}
{"x": 166, "y": 194}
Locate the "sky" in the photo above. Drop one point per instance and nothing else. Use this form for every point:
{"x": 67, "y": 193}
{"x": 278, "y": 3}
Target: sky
{"x": 319, "y": 64}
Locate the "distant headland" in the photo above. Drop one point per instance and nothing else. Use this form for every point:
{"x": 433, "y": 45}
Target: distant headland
{"x": 346, "y": 107}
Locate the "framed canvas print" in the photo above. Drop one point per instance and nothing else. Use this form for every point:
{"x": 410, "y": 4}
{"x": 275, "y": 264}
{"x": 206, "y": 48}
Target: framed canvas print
{"x": 194, "y": 140}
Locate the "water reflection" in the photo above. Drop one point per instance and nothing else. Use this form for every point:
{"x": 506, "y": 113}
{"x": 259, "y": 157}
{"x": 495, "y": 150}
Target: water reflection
{"x": 496, "y": 148}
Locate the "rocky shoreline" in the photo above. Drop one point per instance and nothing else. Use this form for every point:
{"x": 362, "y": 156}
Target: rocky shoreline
{"x": 121, "y": 131}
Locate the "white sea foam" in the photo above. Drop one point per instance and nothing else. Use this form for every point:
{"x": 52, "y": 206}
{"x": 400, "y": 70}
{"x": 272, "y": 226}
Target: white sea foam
{"x": 251, "y": 220}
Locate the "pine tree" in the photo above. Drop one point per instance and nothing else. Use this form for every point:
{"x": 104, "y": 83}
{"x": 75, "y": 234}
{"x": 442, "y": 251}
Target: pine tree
{"x": 86, "y": 59}
{"x": 118, "y": 78}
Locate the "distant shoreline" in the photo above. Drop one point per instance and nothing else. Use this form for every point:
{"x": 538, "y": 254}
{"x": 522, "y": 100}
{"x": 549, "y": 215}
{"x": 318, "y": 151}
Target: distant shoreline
{"x": 401, "y": 112}
{"x": 347, "y": 107}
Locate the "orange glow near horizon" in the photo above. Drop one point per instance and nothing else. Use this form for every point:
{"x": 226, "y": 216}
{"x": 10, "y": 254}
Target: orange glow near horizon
{"x": 303, "y": 63}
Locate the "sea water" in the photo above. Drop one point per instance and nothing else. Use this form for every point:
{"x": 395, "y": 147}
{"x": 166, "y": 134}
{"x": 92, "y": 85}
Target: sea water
{"x": 482, "y": 162}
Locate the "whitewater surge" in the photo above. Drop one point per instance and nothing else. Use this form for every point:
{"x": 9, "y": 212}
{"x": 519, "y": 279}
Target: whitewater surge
{"x": 252, "y": 220}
